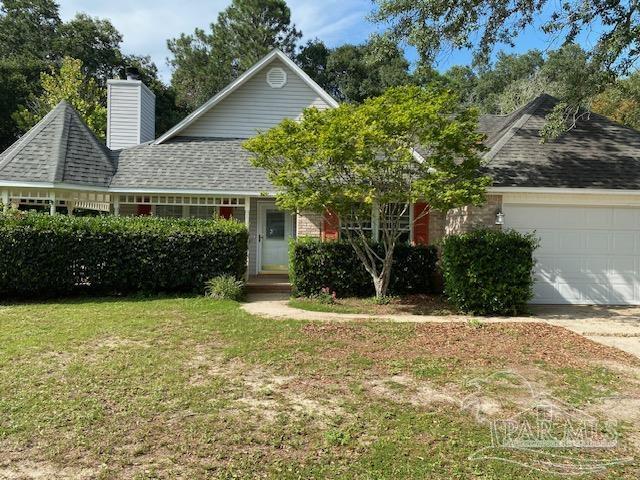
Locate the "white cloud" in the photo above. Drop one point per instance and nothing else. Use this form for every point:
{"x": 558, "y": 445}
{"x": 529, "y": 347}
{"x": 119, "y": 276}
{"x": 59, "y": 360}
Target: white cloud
{"x": 147, "y": 24}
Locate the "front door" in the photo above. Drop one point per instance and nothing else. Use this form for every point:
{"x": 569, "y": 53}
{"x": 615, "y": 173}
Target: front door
{"x": 274, "y": 230}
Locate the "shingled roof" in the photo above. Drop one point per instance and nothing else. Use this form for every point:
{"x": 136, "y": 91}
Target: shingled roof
{"x": 59, "y": 148}
{"x": 597, "y": 153}
{"x": 195, "y": 163}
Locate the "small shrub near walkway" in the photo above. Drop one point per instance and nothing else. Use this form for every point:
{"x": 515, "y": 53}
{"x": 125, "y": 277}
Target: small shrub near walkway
{"x": 47, "y": 256}
{"x": 315, "y": 265}
{"x": 489, "y": 272}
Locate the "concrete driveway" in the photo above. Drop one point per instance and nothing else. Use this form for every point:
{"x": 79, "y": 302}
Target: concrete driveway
{"x": 614, "y": 326}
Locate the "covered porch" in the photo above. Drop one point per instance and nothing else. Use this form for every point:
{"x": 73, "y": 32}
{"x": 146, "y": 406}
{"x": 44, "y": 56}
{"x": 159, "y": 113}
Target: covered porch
{"x": 270, "y": 228}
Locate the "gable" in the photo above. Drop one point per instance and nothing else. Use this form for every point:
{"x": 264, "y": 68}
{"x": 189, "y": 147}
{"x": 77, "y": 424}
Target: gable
{"x": 256, "y": 105}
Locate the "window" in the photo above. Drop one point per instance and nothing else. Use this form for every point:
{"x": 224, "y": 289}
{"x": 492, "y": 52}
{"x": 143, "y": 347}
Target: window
{"x": 365, "y": 221}
{"x": 169, "y": 211}
{"x": 202, "y": 211}
{"x": 360, "y": 219}
{"x": 275, "y": 224}
{"x": 403, "y": 214}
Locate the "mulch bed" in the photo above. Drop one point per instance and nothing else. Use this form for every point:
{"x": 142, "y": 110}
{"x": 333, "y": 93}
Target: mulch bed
{"x": 419, "y": 304}
{"x": 492, "y": 344}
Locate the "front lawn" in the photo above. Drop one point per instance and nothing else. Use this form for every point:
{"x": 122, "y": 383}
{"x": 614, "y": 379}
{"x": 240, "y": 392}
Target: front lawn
{"x": 195, "y": 388}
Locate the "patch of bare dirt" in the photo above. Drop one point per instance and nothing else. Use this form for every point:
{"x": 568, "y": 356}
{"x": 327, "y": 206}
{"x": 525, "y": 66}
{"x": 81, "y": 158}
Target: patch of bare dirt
{"x": 20, "y": 464}
{"x": 488, "y": 344}
{"x": 261, "y": 389}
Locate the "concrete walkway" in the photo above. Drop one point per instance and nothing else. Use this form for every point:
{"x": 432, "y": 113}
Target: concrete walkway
{"x": 614, "y": 326}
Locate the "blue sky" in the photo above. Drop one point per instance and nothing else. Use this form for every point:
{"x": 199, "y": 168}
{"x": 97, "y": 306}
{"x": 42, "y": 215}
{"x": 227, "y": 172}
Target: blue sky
{"x": 147, "y": 24}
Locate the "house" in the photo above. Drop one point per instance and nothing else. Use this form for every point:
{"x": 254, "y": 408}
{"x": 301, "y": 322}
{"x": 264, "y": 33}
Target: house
{"x": 581, "y": 194}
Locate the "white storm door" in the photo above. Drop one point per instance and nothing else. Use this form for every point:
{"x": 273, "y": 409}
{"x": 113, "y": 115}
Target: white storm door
{"x": 274, "y": 231}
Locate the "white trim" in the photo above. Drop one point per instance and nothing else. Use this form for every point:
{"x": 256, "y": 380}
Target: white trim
{"x": 58, "y": 185}
{"x": 233, "y": 86}
{"x": 572, "y": 191}
{"x": 175, "y": 191}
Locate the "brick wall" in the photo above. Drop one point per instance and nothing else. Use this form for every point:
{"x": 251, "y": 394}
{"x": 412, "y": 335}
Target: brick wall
{"x": 465, "y": 219}
{"x": 308, "y": 224}
{"x": 436, "y": 226}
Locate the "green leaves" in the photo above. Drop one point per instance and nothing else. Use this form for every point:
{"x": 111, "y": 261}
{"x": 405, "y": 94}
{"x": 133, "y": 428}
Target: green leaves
{"x": 489, "y": 272}
{"x": 46, "y": 256}
{"x": 205, "y": 62}
{"x": 368, "y": 153}
{"x": 71, "y": 84}
{"x": 315, "y": 265}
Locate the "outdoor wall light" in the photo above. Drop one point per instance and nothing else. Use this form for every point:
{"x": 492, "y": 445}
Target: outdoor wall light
{"x": 499, "y": 218}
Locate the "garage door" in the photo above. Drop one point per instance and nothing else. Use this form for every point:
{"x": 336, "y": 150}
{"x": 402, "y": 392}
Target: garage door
{"x": 587, "y": 255}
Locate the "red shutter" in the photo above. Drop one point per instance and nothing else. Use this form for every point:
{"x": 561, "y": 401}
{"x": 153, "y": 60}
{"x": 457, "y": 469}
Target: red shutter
{"x": 226, "y": 212}
{"x": 330, "y": 226}
{"x": 144, "y": 210}
{"x": 421, "y": 225}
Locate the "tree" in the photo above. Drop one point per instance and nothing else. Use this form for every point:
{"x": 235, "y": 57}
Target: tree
{"x": 68, "y": 83}
{"x": 352, "y": 73}
{"x": 312, "y": 59}
{"x": 28, "y": 28}
{"x": 356, "y": 159}
{"x": 492, "y": 81}
{"x": 621, "y": 101}
{"x": 434, "y": 25}
{"x": 27, "y": 33}
{"x": 95, "y": 41}
{"x": 204, "y": 63}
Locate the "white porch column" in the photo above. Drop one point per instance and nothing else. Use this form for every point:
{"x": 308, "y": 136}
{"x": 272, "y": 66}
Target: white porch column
{"x": 71, "y": 205}
{"x": 247, "y": 212}
{"x": 116, "y": 205}
{"x": 52, "y": 205}
{"x": 5, "y": 200}
{"x": 375, "y": 222}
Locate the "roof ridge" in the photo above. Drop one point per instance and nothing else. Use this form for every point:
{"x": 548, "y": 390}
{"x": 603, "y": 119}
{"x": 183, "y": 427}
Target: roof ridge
{"x": 526, "y": 112}
{"x": 17, "y": 146}
{"x": 63, "y": 143}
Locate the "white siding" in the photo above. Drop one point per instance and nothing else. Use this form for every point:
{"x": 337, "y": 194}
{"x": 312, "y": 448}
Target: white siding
{"x": 256, "y": 106}
{"x": 131, "y": 114}
{"x": 147, "y": 115}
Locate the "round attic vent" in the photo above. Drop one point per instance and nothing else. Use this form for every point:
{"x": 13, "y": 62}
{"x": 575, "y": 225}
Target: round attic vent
{"x": 276, "y": 77}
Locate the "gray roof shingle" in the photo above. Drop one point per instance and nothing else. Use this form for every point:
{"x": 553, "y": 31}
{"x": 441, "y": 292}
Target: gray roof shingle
{"x": 59, "y": 148}
{"x": 597, "y": 153}
{"x": 184, "y": 163}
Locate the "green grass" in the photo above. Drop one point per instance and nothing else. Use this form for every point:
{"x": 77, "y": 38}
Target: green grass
{"x": 196, "y": 388}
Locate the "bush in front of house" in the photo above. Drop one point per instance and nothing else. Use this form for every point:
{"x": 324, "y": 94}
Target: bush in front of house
{"x": 47, "y": 256}
{"x": 315, "y": 265}
{"x": 488, "y": 272}
{"x": 225, "y": 287}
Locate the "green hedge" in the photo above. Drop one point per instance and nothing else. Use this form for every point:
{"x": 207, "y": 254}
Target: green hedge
{"x": 314, "y": 265}
{"x": 46, "y": 256}
{"x": 489, "y": 272}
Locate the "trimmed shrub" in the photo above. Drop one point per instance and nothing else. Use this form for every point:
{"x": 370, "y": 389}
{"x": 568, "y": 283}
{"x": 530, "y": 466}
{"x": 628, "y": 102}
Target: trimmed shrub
{"x": 489, "y": 272}
{"x": 46, "y": 256}
{"x": 315, "y": 265}
{"x": 225, "y": 287}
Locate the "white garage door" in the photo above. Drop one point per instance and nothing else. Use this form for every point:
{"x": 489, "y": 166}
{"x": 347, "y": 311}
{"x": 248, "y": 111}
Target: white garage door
{"x": 587, "y": 255}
